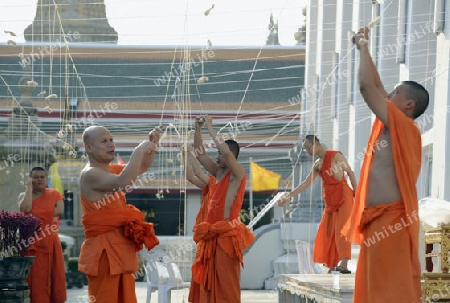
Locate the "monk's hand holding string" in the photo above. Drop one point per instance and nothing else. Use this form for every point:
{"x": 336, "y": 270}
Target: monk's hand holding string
{"x": 361, "y": 37}
{"x": 155, "y": 134}
{"x": 199, "y": 121}
{"x": 283, "y": 200}
{"x": 208, "y": 121}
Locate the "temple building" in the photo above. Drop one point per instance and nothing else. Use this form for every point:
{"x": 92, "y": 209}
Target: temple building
{"x": 251, "y": 93}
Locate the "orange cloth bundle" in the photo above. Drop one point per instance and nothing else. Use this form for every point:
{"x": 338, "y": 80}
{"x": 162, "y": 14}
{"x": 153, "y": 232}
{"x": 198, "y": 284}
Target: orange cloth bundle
{"x": 131, "y": 218}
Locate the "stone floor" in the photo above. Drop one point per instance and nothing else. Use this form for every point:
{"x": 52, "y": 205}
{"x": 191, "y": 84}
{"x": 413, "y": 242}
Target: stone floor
{"x": 75, "y": 295}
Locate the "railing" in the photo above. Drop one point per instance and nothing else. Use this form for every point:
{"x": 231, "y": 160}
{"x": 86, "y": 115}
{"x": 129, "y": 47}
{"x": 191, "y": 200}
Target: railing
{"x": 266, "y": 208}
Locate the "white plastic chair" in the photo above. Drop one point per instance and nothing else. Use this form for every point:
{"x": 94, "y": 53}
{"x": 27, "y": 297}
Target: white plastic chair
{"x": 161, "y": 274}
{"x": 182, "y": 252}
{"x": 304, "y": 257}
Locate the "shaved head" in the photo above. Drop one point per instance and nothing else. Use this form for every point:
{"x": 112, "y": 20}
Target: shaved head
{"x": 98, "y": 144}
{"x": 311, "y": 139}
{"x": 234, "y": 147}
{"x": 37, "y": 168}
{"x": 91, "y": 131}
{"x": 419, "y": 94}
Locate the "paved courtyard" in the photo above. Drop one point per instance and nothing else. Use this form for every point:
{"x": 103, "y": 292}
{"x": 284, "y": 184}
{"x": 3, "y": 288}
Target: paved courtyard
{"x": 76, "y": 295}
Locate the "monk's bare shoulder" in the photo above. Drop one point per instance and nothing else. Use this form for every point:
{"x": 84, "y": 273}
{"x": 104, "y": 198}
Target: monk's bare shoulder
{"x": 92, "y": 171}
{"x": 89, "y": 175}
{"x": 318, "y": 164}
{"x": 339, "y": 159}
{"x": 85, "y": 172}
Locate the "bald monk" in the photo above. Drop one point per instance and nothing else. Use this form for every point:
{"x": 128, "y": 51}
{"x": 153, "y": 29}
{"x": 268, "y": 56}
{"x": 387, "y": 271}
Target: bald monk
{"x": 384, "y": 220}
{"x": 221, "y": 236}
{"x": 114, "y": 230}
{"x": 330, "y": 247}
{"x": 47, "y": 278}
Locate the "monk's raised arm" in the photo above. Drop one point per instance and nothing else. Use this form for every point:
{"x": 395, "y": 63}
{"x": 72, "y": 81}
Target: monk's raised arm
{"x": 199, "y": 149}
{"x": 230, "y": 159}
{"x": 96, "y": 179}
{"x": 154, "y": 137}
{"x": 25, "y": 199}
{"x": 190, "y": 175}
{"x": 196, "y": 169}
{"x": 369, "y": 80}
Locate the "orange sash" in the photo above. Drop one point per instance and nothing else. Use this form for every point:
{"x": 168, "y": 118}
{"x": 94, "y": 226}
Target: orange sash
{"x": 231, "y": 235}
{"x": 232, "y": 239}
{"x": 131, "y": 218}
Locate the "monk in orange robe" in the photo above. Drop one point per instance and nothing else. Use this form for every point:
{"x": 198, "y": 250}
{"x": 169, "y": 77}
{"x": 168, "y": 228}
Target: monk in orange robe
{"x": 47, "y": 277}
{"x": 221, "y": 236}
{"x": 384, "y": 220}
{"x": 114, "y": 231}
{"x": 330, "y": 247}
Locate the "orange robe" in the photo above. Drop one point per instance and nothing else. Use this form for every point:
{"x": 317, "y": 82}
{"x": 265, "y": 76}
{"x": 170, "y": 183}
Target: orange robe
{"x": 216, "y": 268}
{"x": 194, "y": 290}
{"x": 388, "y": 268}
{"x": 330, "y": 246}
{"x": 47, "y": 278}
{"x": 114, "y": 231}
{"x": 202, "y": 213}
